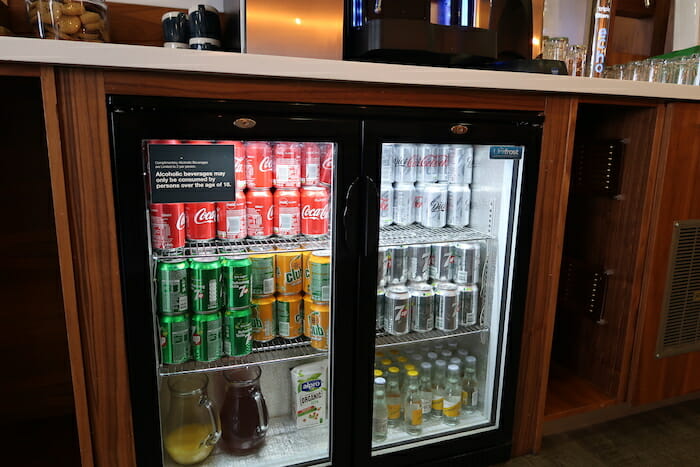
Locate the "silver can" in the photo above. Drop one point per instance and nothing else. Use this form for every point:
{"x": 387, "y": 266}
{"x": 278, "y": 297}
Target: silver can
{"x": 442, "y": 158}
{"x": 397, "y": 265}
{"x": 387, "y": 174}
{"x": 381, "y": 266}
{"x": 458, "y": 204}
{"x": 468, "y": 304}
{"x": 441, "y": 259}
{"x": 421, "y": 307}
{"x": 396, "y": 310}
{"x": 426, "y": 166}
{"x": 456, "y": 161}
{"x": 446, "y": 306}
{"x": 467, "y": 263}
{"x": 405, "y": 159}
{"x": 403, "y": 204}
{"x": 434, "y": 213}
{"x": 386, "y": 204}
{"x": 380, "y": 307}
{"x": 469, "y": 164}
{"x": 418, "y": 202}
{"x": 418, "y": 263}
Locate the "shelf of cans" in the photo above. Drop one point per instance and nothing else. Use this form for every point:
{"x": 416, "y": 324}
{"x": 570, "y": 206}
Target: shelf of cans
{"x": 394, "y": 235}
{"x": 383, "y": 339}
{"x": 234, "y": 306}
{"x": 282, "y": 198}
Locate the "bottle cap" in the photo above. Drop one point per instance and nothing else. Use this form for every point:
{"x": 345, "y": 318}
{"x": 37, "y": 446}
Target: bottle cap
{"x": 378, "y": 373}
{"x": 413, "y": 373}
{"x": 393, "y": 369}
{"x": 379, "y": 381}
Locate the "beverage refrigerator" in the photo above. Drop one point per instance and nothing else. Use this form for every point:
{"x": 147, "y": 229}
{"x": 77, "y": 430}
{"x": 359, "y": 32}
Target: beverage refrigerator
{"x": 321, "y": 284}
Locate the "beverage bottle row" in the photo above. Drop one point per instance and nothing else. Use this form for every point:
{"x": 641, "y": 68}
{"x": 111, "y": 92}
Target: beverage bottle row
{"x": 427, "y": 163}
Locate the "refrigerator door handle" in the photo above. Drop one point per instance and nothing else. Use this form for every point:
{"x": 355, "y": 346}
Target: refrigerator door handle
{"x": 352, "y": 208}
{"x": 371, "y": 222}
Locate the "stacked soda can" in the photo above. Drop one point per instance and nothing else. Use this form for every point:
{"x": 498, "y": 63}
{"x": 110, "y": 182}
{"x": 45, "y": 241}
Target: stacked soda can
{"x": 428, "y": 286}
{"x": 426, "y": 184}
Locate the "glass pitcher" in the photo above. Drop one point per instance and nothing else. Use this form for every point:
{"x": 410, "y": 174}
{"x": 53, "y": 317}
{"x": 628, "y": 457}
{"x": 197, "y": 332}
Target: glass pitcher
{"x": 244, "y": 412}
{"x": 192, "y": 426}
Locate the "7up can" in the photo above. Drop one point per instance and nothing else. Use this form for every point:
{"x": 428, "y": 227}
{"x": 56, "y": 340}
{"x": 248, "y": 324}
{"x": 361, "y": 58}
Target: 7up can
{"x": 174, "y": 338}
{"x": 205, "y": 284}
{"x": 238, "y": 332}
{"x": 290, "y": 316}
{"x": 237, "y": 281}
{"x": 171, "y": 286}
{"x": 207, "y": 344}
{"x": 397, "y": 321}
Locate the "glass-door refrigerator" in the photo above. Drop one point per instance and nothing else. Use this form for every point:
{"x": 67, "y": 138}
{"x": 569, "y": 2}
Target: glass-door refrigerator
{"x": 319, "y": 284}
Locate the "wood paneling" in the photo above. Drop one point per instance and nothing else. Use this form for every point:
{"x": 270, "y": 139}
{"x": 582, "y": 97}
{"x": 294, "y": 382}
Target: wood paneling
{"x": 569, "y": 394}
{"x": 11, "y": 69}
{"x": 677, "y": 198}
{"x": 88, "y": 181}
{"x": 137, "y": 24}
{"x": 543, "y": 278}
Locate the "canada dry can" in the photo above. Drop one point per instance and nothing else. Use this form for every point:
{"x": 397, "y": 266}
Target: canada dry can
{"x": 467, "y": 263}
{"x": 207, "y": 338}
{"x": 405, "y": 158}
{"x": 386, "y": 204}
{"x": 264, "y": 323}
{"x": 320, "y": 266}
{"x": 434, "y": 214}
{"x": 426, "y": 170}
{"x": 403, "y": 204}
{"x": 174, "y": 338}
{"x": 441, "y": 262}
{"x": 442, "y": 156}
{"x": 237, "y": 281}
{"x": 397, "y": 265}
{"x": 171, "y": 280}
{"x": 421, "y": 307}
{"x": 456, "y": 160}
{"x": 238, "y": 332}
{"x": 263, "y": 274}
{"x": 396, "y": 310}
{"x": 290, "y": 316}
{"x": 289, "y": 270}
{"x": 387, "y": 163}
{"x": 446, "y": 306}
{"x": 382, "y": 258}
{"x": 205, "y": 285}
{"x": 319, "y": 324}
{"x": 458, "y": 205}
{"x": 468, "y": 304}
{"x": 380, "y": 307}
{"x": 418, "y": 263}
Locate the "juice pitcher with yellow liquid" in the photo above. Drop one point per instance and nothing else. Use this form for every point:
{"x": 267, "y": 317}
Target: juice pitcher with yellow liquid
{"x": 192, "y": 426}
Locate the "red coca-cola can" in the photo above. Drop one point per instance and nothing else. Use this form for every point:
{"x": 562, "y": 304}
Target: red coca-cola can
{"x": 260, "y": 211}
{"x": 315, "y": 211}
{"x": 258, "y": 164}
{"x": 310, "y": 164}
{"x": 239, "y": 162}
{"x": 167, "y": 226}
{"x": 287, "y": 212}
{"x": 326, "y": 174}
{"x": 201, "y": 221}
{"x": 231, "y": 218}
{"x": 287, "y": 165}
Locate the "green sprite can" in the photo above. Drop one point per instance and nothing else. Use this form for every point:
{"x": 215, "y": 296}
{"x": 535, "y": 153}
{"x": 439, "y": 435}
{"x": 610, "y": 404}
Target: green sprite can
{"x": 207, "y": 342}
{"x": 263, "y": 274}
{"x": 206, "y": 293}
{"x": 171, "y": 286}
{"x": 238, "y": 332}
{"x": 237, "y": 281}
{"x": 174, "y": 338}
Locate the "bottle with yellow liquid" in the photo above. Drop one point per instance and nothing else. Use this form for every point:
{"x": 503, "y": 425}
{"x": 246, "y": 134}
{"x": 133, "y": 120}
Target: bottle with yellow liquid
{"x": 413, "y": 407}
{"x": 452, "y": 405}
{"x": 393, "y": 396}
{"x": 192, "y": 426}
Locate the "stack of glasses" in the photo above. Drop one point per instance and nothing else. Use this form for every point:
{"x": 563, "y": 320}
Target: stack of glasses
{"x": 679, "y": 70}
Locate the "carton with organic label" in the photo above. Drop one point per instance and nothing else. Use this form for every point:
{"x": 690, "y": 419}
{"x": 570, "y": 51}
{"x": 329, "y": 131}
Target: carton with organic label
{"x": 309, "y": 393}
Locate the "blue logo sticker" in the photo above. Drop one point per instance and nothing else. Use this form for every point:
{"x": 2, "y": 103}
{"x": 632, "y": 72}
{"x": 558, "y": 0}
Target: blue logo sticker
{"x": 311, "y": 385}
{"x": 506, "y": 152}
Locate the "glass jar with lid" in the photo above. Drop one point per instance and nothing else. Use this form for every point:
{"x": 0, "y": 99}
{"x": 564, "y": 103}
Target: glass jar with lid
{"x": 77, "y": 20}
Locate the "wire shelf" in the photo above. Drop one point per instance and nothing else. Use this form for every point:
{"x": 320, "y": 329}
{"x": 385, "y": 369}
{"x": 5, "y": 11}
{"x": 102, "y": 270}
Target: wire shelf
{"x": 276, "y": 350}
{"x": 417, "y": 234}
{"x": 387, "y": 340}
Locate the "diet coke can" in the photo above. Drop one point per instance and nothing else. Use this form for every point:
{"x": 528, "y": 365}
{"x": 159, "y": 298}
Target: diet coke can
{"x": 386, "y": 204}
{"x": 168, "y": 226}
{"x": 468, "y": 304}
{"x": 469, "y": 164}
{"x": 434, "y": 212}
{"x": 458, "y": 205}
{"x": 239, "y": 163}
{"x": 418, "y": 263}
{"x": 418, "y": 202}
{"x": 260, "y": 211}
{"x": 315, "y": 210}
{"x": 382, "y": 257}
{"x": 467, "y": 263}
{"x": 442, "y": 157}
{"x": 310, "y": 164}
{"x": 405, "y": 159}
{"x": 456, "y": 161}
{"x": 421, "y": 307}
{"x": 441, "y": 262}
{"x": 397, "y": 265}
{"x": 403, "y": 204}
{"x": 396, "y": 312}
{"x": 258, "y": 164}
{"x": 231, "y": 218}
{"x": 380, "y": 308}
{"x": 287, "y": 165}
{"x": 387, "y": 174}
{"x": 327, "y": 153}
{"x": 427, "y": 168}
{"x": 201, "y": 221}
{"x": 287, "y": 212}
{"x": 446, "y": 306}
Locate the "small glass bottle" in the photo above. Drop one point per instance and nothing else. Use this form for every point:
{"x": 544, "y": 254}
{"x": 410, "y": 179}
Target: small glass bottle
{"x": 404, "y": 375}
{"x": 446, "y": 355}
{"x": 413, "y": 405}
{"x": 380, "y": 412}
{"x": 470, "y": 387}
{"x": 426, "y": 388}
{"x": 384, "y": 364}
{"x": 439, "y": 370}
{"x": 431, "y": 357}
{"x": 393, "y": 396}
{"x": 417, "y": 358}
{"x": 460, "y": 364}
{"x": 452, "y": 404}
{"x": 378, "y": 373}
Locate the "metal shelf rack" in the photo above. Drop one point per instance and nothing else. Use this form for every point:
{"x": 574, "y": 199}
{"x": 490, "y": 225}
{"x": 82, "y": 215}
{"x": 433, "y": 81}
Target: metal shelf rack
{"x": 393, "y": 235}
{"x": 387, "y": 340}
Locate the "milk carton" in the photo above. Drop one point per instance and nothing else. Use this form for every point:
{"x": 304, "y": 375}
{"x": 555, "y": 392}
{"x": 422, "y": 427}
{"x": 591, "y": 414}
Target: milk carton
{"x": 309, "y": 393}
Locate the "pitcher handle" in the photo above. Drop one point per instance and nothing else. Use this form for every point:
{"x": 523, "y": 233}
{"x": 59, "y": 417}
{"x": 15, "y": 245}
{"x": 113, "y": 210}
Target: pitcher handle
{"x": 213, "y": 438}
{"x": 262, "y": 412}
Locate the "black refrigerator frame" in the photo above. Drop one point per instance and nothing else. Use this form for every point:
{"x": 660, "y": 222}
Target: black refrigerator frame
{"x": 357, "y": 130}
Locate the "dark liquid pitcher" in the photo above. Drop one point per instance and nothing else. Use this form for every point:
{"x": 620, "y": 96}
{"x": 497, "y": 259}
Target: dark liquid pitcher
{"x": 244, "y": 413}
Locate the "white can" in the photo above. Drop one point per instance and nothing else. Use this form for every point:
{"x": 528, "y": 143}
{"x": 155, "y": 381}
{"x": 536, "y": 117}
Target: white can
{"x": 468, "y": 164}
{"x": 442, "y": 158}
{"x": 458, "y": 204}
{"x": 434, "y": 214}
{"x": 426, "y": 166}
{"x": 387, "y": 174}
{"x": 403, "y": 204}
{"x": 405, "y": 160}
{"x": 386, "y": 204}
{"x": 418, "y": 201}
{"x": 456, "y": 159}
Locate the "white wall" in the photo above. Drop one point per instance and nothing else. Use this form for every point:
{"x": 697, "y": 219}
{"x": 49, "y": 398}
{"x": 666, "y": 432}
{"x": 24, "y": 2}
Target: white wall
{"x": 567, "y": 18}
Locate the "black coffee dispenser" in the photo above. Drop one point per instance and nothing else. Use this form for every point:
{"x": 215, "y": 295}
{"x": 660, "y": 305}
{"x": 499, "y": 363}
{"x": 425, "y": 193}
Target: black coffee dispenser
{"x": 460, "y": 33}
